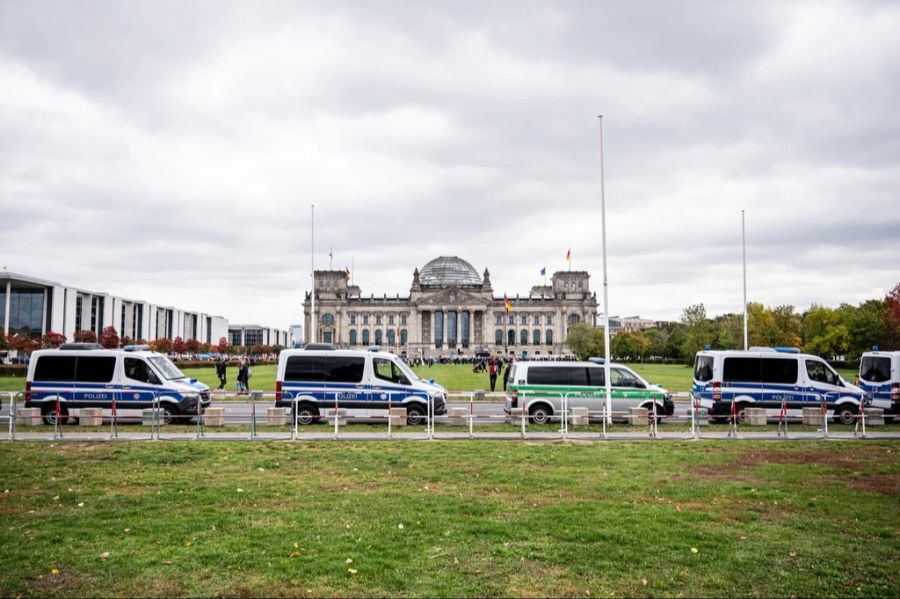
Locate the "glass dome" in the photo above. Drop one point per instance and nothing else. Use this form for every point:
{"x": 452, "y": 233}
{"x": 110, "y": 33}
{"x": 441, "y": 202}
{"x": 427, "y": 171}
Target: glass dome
{"x": 448, "y": 270}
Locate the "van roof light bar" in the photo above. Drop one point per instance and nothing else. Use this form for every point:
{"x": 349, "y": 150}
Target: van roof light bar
{"x": 788, "y": 350}
{"x": 81, "y": 346}
{"x": 136, "y": 348}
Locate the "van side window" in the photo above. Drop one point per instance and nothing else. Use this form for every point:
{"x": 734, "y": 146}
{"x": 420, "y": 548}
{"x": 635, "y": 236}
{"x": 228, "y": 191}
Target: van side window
{"x": 703, "y": 368}
{"x": 570, "y": 376}
{"x": 305, "y": 368}
{"x": 388, "y": 371}
{"x": 137, "y": 370}
{"x": 779, "y": 370}
{"x": 55, "y": 368}
{"x": 597, "y": 378}
{"x": 817, "y": 371}
{"x": 742, "y": 370}
{"x": 344, "y": 369}
{"x": 95, "y": 369}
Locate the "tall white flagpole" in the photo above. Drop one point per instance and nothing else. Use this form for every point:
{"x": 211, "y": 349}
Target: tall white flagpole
{"x": 312, "y": 274}
{"x": 607, "y": 376}
{"x": 744, "y": 250}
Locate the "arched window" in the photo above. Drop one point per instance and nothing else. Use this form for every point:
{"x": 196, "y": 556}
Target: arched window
{"x": 377, "y": 336}
{"x": 573, "y": 318}
{"x": 498, "y": 337}
{"x": 390, "y": 336}
{"x": 328, "y": 319}
{"x": 536, "y": 336}
{"x": 523, "y": 336}
{"x": 548, "y": 337}
{"x": 365, "y": 336}
{"x": 352, "y": 336}
{"x": 404, "y": 336}
{"x": 511, "y": 337}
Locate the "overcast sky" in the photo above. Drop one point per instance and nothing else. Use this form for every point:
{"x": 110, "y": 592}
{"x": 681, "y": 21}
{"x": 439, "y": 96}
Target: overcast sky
{"x": 170, "y": 151}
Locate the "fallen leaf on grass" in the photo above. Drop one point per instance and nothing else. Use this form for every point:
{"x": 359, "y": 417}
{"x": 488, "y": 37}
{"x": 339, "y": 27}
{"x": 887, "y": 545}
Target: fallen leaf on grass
{"x": 81, "y": 504}
{"x": 104, "y": 555}
{"x": 349, "y": 560}
{"x": 792, "y": 553}
{"x": 694, "y": 550}
{"x": 644, "y": 581}
{"x": 240, "y": 490}
{"x": 54, "y": 571}
{"x": 400, "y": 526}
{"x": 352, "y": 570}
{"x": 296, "y": 546}
{"x": 294, "y": 554}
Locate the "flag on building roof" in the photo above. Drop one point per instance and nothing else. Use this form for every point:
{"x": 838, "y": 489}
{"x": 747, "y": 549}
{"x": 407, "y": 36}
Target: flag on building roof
{"x": 506, "y": 304}
{"x": 347, "y": 270}
{"x": 569, "y": 255}
{"x": 543, "y": 270}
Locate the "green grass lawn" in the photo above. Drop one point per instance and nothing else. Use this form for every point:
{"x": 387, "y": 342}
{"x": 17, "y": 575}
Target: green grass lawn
{"x": 455, "y": 377}
{"x": 449, "y": 519}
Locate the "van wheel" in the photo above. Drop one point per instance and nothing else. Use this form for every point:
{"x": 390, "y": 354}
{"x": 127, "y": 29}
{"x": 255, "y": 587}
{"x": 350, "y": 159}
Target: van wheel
{"x": 48, "y": 414}
{"x": 846, "y": 414}
{"x": 415, "y": 414}
{"x": 540, "y": 414}
{"x": 740, "y": 413}
{"x": 168, "y": 415}
{"x": 306, "y": 414}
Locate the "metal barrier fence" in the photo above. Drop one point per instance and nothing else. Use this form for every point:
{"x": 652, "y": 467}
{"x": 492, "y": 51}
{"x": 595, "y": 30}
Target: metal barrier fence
{"x": 575, "y": 416}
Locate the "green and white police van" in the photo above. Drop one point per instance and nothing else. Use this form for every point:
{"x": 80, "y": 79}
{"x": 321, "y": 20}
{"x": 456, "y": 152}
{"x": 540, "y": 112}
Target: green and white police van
{"x": 542, "y": 387}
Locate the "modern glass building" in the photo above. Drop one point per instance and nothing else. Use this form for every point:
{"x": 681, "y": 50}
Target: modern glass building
{"x": 36, "y": 307}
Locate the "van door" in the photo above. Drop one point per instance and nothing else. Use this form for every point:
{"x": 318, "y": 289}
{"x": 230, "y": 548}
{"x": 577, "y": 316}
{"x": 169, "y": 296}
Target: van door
{"x": 389, "y": 384}
{"x": 94, "y": 376}
{"x": 140, "y": 385}
{"x": 821, "y": 382}
{"x": 781, "y": 383}
{"x": 875, "y": 375}
{"x": 344, "y": 380}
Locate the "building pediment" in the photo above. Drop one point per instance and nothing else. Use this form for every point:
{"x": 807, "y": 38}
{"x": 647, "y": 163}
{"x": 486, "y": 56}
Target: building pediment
{"x": 451, "y": 296}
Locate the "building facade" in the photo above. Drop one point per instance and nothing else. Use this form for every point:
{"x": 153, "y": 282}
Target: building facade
{"x": 37, "y": 306}
{"x": 450, "y": 310}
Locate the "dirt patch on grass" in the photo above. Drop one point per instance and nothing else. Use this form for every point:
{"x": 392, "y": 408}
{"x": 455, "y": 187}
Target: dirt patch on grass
{"x": 65, "y": 581}
{"x": 883, "y": 484}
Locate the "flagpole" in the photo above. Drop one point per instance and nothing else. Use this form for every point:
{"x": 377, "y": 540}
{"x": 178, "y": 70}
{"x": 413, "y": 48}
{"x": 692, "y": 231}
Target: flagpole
{"x": 606, "y": 370}
{"x": 744, "y": 251}
{"x": 330, "y": 258}
{"x": 312, "y": 262}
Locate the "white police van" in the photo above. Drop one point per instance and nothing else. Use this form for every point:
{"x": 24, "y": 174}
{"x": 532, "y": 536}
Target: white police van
{"x": 85, "y": 375}
{"x": 765, "y": 377}
{"x": 365, "y": 383}
{"x": 879, "y": 377}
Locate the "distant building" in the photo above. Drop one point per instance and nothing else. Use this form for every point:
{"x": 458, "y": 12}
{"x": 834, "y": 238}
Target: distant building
{"x": 252, "y": 334}
{"x": 450, "y": 309}
{"x": 295, "y": 334}
{"x": 630, "y": 324}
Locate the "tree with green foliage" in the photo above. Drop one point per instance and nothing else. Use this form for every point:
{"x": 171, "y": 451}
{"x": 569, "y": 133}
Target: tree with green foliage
{"x": 866, "y": 324}
{"x": 761, "y": 327}
{"x": 824, "y": 334}
{"x": 787, "y": 323}
{"x": 585, "y": 341}
{"x": 697, "y": 331}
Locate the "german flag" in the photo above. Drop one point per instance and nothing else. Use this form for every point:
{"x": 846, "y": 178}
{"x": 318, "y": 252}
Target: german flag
{"x": 506, "y": 304}
{"x": 569, "y": 255}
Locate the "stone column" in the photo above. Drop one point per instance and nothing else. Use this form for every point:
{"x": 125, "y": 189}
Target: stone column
{"x": 6, "y": 307}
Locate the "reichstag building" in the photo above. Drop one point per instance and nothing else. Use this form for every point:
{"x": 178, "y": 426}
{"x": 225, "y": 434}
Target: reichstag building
{"x": 450, "y": 310}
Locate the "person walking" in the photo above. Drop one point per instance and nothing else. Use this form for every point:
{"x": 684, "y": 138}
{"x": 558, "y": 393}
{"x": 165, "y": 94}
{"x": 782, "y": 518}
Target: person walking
{"x": 506, "y": 372}
{"x": 220, "y": 372}
{"x": 243, "y": 377}
{"x": 492, "y": 373}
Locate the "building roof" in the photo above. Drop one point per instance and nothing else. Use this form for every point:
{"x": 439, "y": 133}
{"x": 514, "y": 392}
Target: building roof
{"x": 449, "y": 270}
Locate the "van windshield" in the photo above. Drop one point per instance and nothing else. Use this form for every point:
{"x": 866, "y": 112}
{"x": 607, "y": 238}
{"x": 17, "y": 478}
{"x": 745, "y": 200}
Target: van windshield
{"x": 821, "y": 373}
{"x": 405, "y": 369}
{"x": 875, "y": 369}
{"x": 166, "y": 368}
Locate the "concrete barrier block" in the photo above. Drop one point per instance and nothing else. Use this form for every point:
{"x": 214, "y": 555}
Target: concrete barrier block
{"x": 276, "y": 416}
{"x": 341, "y": 416}
{"x": 638, "y": 416}
{"x": 28, "y": 416}
{"x": 813, "y": 417}
{"x": 874, "y": 417}
{"x": 578, "y": 417}
{"x": 514, "y": 416}
{"x": 397, "y": 416}
{"x": 459, "y": 416}
{"x": 151, "y": 416}
{"x": 756, "y": 416}
{"x": 90, "y": 417}
{"x": 214, "y": 417}
{"x": 479, "y": 394}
